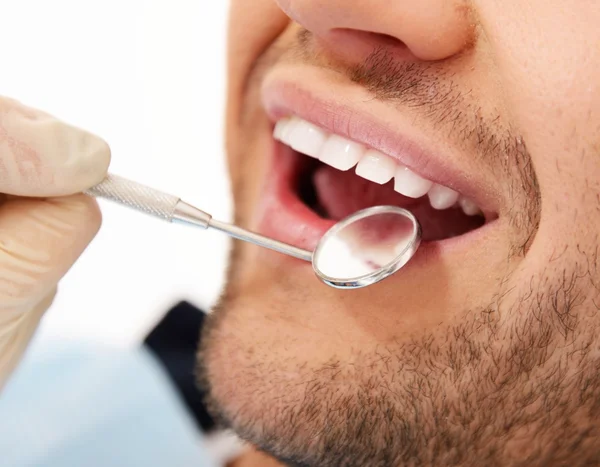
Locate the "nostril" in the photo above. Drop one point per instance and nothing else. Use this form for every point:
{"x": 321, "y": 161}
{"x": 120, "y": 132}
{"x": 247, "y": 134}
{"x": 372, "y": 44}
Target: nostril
{"x": 355, "y": 45}
{"x": 374, "y": 37}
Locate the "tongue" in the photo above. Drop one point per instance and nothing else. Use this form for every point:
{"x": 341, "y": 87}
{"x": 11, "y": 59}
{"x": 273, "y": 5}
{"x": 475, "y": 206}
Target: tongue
{"x": 340, "y": 194}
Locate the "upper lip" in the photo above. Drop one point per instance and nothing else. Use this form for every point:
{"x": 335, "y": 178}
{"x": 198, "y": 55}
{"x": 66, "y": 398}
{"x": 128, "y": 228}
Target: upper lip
{"x": 285, "y": 96}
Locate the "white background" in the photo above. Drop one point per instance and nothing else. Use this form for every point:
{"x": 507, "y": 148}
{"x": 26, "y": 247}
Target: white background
{"x": 148, "y": 77}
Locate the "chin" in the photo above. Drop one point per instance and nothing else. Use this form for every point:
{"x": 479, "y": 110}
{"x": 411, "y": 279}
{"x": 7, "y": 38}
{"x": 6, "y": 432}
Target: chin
{"x": 312, "y": 375}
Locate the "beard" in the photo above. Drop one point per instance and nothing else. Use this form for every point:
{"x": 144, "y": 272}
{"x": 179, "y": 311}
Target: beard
{"x": 520, "y": 390}
{"x": 514, "y": 382}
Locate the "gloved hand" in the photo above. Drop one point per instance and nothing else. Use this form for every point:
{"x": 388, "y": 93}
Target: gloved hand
{"x": 45, "y": 221}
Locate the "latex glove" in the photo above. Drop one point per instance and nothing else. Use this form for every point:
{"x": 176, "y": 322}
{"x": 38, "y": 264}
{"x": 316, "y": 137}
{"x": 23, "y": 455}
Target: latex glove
{"x": 44, "y": 223}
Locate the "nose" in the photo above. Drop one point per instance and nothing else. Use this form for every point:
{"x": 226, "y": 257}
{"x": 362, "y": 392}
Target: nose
{"x": 431, "y": 29}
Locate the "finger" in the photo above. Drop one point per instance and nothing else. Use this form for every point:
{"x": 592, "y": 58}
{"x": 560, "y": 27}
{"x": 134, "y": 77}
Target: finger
{"x": 16, "y": 335}
{"x": 39, "y": 242}
{"x": 43, "y": 156}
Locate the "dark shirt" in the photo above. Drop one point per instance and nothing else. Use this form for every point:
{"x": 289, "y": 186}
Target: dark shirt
{"x": 174, "y": 342}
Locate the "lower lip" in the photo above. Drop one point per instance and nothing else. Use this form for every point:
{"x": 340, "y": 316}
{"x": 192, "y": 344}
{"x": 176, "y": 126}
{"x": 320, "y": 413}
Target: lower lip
{"x": 284, "y": 217}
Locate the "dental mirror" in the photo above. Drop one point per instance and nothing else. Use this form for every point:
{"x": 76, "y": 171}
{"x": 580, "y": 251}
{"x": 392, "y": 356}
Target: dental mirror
{"x": 361, "y": 249}
{"x": 366, "y": 247}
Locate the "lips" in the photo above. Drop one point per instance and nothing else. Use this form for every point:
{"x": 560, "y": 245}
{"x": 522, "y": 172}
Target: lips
{"x": 320, "y": 174}
{"x": 344, "y": 154}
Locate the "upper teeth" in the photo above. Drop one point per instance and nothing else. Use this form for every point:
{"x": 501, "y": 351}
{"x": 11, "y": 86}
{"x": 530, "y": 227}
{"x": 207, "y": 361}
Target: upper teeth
{"x": 371, "y": 164}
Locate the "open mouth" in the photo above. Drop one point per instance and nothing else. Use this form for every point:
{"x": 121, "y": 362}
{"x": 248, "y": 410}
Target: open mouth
{"x": 335, "y": 177}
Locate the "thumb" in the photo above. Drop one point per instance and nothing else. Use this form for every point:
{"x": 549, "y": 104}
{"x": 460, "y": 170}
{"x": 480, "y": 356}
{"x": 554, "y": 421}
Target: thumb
{"x": 43, "y": 156}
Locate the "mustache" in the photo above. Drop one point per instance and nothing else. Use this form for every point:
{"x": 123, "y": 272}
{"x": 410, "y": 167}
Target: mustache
{"x": 431, "y": 90}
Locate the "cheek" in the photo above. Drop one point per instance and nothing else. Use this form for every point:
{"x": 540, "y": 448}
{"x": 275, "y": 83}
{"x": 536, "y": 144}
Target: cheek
{"x": 542, "y": 51}
{"x": 253, "y": 26}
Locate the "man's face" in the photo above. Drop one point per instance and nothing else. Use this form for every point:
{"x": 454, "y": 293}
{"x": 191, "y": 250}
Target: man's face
{"x": 482, "y": 349}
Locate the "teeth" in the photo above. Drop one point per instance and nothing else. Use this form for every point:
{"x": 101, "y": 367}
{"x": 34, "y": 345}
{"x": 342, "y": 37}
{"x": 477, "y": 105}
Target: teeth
{"x": 372, "y": 165}
{"x": 410, "y": 184}
{"x": 280, "y": 127}
{"x": 441, "y": 197}
{"x": 283, "y": 128}
{"x": 468, "y": 206}
{"x": 376, "y": 167}
{"x": 341, "y": 153}
{"x": 306, "y": 138}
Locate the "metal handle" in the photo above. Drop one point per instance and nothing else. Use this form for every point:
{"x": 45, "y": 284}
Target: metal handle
{"x": 137, "y": 196}
{"x": 173, "y": 209}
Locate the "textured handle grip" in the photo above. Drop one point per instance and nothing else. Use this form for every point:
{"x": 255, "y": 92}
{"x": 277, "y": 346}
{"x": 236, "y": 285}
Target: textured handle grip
{"x": 135, "y": 195}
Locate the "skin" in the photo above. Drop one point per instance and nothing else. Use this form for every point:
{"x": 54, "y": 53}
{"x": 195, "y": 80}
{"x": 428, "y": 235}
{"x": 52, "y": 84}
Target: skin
{"x": 491, "y": 359}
